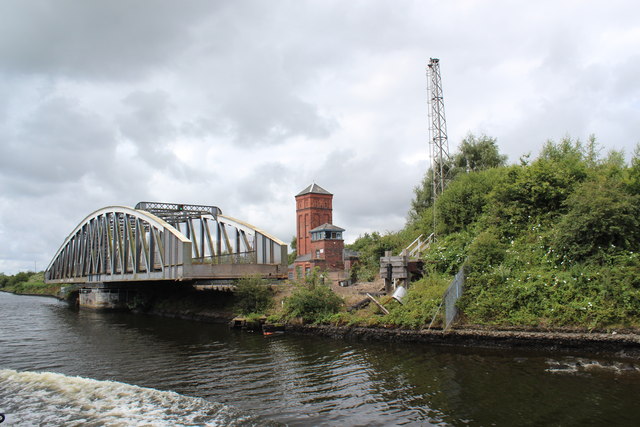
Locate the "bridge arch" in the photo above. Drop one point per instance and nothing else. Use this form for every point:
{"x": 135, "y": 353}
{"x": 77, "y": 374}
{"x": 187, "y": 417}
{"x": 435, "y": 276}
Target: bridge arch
{"x": 161, "y": 241}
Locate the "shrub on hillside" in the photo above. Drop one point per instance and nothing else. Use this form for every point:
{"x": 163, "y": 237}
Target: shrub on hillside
{"x": 601, "y": 218}
{"x": 530, "y": 192}
{"x": 465, "y": 199}
{"x": 485, "y": 252}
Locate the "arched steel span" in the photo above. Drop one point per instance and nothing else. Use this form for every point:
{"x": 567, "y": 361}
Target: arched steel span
{"x": 121, "y": 244}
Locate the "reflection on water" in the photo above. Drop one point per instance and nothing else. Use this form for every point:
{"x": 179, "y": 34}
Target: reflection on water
{"x": 309, "y": 380}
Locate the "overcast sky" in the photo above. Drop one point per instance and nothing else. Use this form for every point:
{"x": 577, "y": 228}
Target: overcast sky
{"x": 242, "y": 104}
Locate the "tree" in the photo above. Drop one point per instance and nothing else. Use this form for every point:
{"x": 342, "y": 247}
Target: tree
{"x": 474, "y": 154}
{"x": 529, "y": 192}
{"x": 464, "y": 200}
{"x": 294, "y": 253}
{"x": 478, "y": 153}
{"x": 423, "y": 199}
{"x": 633, "y": 179}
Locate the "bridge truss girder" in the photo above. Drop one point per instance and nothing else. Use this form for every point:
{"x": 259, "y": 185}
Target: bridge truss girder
{"x": 121, "y": 244}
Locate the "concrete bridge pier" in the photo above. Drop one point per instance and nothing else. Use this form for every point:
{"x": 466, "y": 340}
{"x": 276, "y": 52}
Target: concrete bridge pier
{"x": 101, "y": 297}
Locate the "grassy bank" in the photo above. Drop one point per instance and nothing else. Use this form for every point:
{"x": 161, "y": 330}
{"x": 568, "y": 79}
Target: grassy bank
{"x": 28, "y": 283}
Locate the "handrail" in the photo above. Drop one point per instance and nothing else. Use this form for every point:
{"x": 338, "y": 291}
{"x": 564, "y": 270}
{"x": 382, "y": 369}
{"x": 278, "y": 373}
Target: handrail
{"x": 415, "y": 249}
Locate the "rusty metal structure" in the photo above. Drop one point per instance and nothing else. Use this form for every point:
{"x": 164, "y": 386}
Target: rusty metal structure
{"x": 438, "y": 140}
{"x": 165, "y": 242}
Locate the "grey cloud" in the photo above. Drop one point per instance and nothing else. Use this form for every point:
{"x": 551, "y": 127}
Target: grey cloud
{"x": 146, "y": 121}
{"x": 95, "y": 39}
{"x": 263, "y": 185}
{"x": 367, "y": 188}
{"x": 58, "y": 142}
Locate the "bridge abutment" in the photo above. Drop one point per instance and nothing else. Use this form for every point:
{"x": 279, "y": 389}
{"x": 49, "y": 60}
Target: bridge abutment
{"x": 104, "y": 298}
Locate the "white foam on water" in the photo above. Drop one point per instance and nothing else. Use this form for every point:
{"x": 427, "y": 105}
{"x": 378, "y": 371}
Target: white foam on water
{"x": 575, "y": 365}
{"x": 39, "y": 398}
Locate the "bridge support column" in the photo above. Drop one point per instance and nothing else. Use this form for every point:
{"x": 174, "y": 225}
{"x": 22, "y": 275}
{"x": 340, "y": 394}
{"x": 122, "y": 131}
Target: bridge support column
{"x": 103, "y": 298}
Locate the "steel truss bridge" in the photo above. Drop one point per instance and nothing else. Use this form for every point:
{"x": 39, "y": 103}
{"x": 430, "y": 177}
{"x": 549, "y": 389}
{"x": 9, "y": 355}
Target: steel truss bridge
{"x": 165, "y": 242}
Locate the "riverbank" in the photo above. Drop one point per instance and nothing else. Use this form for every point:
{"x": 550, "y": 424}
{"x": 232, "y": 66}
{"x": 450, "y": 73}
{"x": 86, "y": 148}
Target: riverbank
{"x": 28, "y": 283}
{"x": 208, "y": 308}
{"x": 620, "y": 344}
{"x": 48, "y": 291}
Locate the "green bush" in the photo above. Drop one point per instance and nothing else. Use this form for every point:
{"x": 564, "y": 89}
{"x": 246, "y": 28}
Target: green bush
{"x": 528, "y": 193}
{"x": 601, "y": 218}
{"x": 485, "y": 252}
{"x": 465, "y": 199}
{"x": 312, "y": 301}
{"x": 548, "y": 243}
{"x": 253, "y": 295}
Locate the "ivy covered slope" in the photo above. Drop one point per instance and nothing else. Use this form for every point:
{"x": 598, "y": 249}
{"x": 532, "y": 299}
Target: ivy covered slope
{"x": 551, "y": 242}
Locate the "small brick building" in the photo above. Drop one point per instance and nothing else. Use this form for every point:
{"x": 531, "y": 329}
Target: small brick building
{"x": 319, "y": 243}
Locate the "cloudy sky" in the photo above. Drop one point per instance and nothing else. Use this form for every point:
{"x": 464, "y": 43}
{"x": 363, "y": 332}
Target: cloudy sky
{"x": 242, "y": 104}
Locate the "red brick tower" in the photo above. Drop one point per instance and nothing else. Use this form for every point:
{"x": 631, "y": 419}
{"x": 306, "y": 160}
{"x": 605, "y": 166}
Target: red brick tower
{"x": 314, "y": 207}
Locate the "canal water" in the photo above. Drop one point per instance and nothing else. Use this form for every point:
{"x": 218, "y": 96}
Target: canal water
{"x": 60, "y": 366}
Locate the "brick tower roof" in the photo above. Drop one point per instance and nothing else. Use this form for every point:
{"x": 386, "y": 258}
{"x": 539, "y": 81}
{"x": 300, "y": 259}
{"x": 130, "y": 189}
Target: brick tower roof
{"x": 313, "y": 188}
{"x": 327, "y": 227}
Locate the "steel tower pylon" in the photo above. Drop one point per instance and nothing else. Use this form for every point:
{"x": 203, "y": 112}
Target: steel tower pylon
{"x": 438, "y": 142}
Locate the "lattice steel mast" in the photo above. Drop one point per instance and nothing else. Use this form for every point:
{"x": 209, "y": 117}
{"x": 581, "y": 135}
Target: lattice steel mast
{"x": 438, "y": 142}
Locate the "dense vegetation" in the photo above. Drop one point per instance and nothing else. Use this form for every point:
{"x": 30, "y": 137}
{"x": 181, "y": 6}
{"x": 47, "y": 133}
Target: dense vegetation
{"x": 550, "y": 242}
{"x": 312, "y": 300}
{"x": 27, "y": 282}
{"x": 253, "y": 296}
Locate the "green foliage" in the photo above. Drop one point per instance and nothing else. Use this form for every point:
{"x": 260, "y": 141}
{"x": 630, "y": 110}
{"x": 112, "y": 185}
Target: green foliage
{"x": 312, "y": 301}
{"x": 294, "y": 250}
{"x": 448, "y": 253}
{"x": 423, "y": 199}
{"x": 601, "y": 218}
{"x": 420, "y": 304}
{"x": 28, "y": 283}
{"x": 373, "y": 246}
{"x": 528, "y": 193}
{"x": 464, "y": 200}
{"x": 485, "y": 252}
{"x": 474, "y": 154}
{"x": 553, "y": 241}
{"x": 478, "y": 153}
{"x": 583, "y": 295}
{"x": 253, "y": 295}
{"x": 632, "y": 179}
